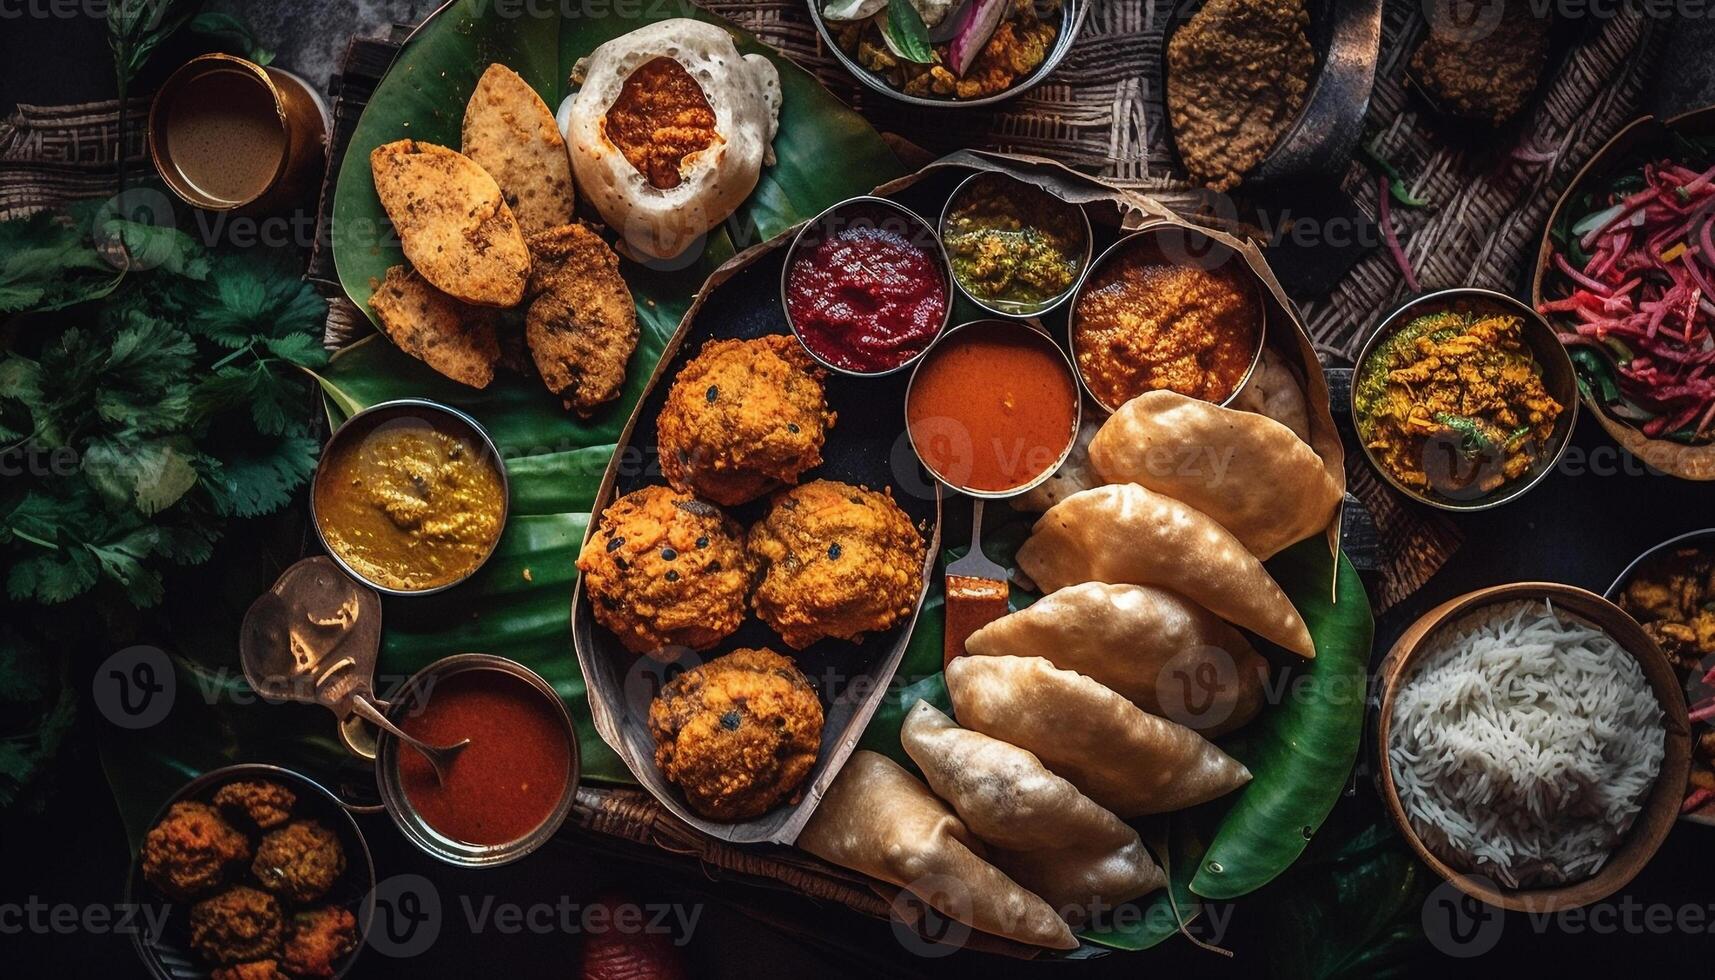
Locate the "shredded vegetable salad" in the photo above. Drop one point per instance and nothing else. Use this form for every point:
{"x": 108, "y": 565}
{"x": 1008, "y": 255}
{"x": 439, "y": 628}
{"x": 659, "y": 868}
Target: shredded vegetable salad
{"x": 1634, "y": 297}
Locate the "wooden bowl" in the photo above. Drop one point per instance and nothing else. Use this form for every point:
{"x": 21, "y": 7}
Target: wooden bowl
{"x": 1660, "y": 808}
{"x": 1645, "y": 135}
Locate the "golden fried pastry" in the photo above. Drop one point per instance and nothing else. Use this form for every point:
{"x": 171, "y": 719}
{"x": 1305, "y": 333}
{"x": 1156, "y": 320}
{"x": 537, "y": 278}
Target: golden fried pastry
{"x": 743, "y": 418}
{"x": 836, "y": 561}
{"x": 456, "y": 339}
{"x": 191, "y": 850}
{"x": 236, "y": 926}
{"x": 452, "y": 221}
{"x": 300, "y": 861}
{"x": 582, "y": 327}
{"x": 267, "y": 804}
{"x": 317, "y": 939}
{"x": 511, "y": 133}
{"x": 737, "y": 734}
{"x": 664, "y": 569}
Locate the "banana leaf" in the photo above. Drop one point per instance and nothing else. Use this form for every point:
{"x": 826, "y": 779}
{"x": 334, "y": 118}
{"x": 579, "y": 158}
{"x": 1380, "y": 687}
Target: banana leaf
{"x": 518, "y": 606}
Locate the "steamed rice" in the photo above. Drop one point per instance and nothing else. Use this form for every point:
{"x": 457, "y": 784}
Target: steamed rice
{"x": 1523, "y": 744}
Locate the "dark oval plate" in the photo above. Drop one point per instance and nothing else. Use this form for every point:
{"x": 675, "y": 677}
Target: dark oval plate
{"x": 866, "y": 446}
{"x": 168, "y": 955}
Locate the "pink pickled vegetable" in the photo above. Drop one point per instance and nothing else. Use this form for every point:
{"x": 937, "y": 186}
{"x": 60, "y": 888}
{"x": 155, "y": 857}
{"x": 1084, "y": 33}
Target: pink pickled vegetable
{"x": 981, "y": 19}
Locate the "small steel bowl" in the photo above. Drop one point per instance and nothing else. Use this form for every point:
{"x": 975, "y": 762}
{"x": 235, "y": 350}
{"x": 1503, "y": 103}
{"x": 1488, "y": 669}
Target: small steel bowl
{"x": 1072, "y": 13}
{"x": 1660, "y": 806}
{"x": 398, "y": 805}
{"x": 1203, "y": 240}
{"x": 1704, "y": 540}
{"x": 1077, "y": 407}
{"x": 364, "y": 422}
{"x": 1557, "y": 377}
{"x": 168, "y": 956}
{"x": 920, "y": 233}
{"x": 1041, "y": 308}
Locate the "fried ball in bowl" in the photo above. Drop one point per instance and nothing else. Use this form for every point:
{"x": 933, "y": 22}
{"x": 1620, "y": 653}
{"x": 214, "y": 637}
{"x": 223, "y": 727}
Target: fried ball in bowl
{"x": 665, "y": 570}
{"x": 267, "y": 804}
{"x": 192, "y": 850}
{"x": 737, "y": 734}
{"x": 300, "y": 861}
{"x": 742, "y": 418}
{"x": 238, "y": 925}
{"x": 317, "y": 939}
{"x": 836, "y": 561}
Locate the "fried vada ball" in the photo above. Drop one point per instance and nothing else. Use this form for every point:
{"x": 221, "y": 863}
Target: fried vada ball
{"x": 237, "y": 925}
{"x": 300, "y": 861}
{"x": 836, "y": 561}
{"x": 737, "y": 734}
{"x": 267, "y": 804}
{"x": 191, "y": 850}
{"x": 742, "y": 418}
{"x": 318, "y": 938}
{"x": 666, "y": 570}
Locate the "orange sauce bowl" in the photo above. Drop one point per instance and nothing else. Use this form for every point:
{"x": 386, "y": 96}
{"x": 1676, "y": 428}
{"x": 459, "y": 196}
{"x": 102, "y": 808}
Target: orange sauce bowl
{"x": 993, "y": 408}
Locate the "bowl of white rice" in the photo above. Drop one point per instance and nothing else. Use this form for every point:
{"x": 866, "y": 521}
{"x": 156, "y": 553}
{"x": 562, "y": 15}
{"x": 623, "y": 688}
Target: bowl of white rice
{"x": 1534, "y": 744}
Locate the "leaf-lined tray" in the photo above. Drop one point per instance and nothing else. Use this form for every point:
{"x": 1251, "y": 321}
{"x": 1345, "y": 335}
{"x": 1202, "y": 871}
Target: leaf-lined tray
{"x": 866, "y": 446}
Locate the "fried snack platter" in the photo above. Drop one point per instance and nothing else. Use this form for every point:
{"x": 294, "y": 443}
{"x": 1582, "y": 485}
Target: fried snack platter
{"x": 863, "y": 448}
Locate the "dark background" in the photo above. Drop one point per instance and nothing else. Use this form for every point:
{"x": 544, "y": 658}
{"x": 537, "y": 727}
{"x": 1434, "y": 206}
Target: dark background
{"x": 1581, "y": 526}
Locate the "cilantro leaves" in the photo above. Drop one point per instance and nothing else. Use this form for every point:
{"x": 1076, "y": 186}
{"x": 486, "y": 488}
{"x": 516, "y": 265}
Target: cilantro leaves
{"x": 134, "y": 428}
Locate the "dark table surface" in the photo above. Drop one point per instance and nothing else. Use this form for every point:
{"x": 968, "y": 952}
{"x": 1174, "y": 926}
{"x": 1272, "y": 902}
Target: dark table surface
{"x": 1581, "y": 526}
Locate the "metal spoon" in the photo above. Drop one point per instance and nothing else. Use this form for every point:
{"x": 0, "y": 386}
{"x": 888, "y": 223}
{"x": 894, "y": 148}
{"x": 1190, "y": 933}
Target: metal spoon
{"x": 313, "y": 638}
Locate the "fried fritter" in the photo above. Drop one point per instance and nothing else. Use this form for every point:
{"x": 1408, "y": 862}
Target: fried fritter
{"x": 664, "y": 569}
{"x": 191, "y": 850}
{"x": 743, "y": 418}
{"x": 458, "y": 340}
{"x": 582, "y": 326}
{"x": 317, "y": 939}
{"x": 511, "y": 133}
{"x": 452, "y": 221}
{"x": 258, "y": 970}
{"x": 300, "y": 861}
{"x": 836, "y": 561}
{"x": 236, "y": 926}
{"x": 737, "y": 734}
{"x": 267, "y": 804}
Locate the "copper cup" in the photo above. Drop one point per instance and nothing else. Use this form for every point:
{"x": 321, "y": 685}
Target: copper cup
{"x": 279, "y": 121}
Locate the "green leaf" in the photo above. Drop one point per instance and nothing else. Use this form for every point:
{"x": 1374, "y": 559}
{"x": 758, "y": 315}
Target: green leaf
{"x": 47, "y": 262}
{"x": 1301, "y": 750}
{"x": 135, "y": 28}
{"x": 906, "y": 34}
{"x": 233, "y": 35}
{"x": 259, "y": 478}
{"x": 150, "y": 474}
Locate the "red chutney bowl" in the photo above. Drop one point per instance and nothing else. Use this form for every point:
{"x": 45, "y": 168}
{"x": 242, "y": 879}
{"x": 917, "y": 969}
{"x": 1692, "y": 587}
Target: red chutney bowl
{"x": 867, "y": 287}
{"x": 509, "y": 791}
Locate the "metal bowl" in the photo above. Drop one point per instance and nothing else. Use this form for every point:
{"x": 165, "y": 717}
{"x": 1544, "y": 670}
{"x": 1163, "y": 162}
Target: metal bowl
{"x": 1705, "y": 540}
{"x": 1041, "y": 308}
{"x": 398, "y": 805}
{"x": 360, "y": 425}
{"x": 168, "y": 955}
{"x": 1557, "y": 378}
{"x": 1072, "y": 13}
{"x": 1660, "y": 806}
{"x": 1077, "y": 408}
{"x": 921, "y": 233}
{"x": 1200, "y": 241}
